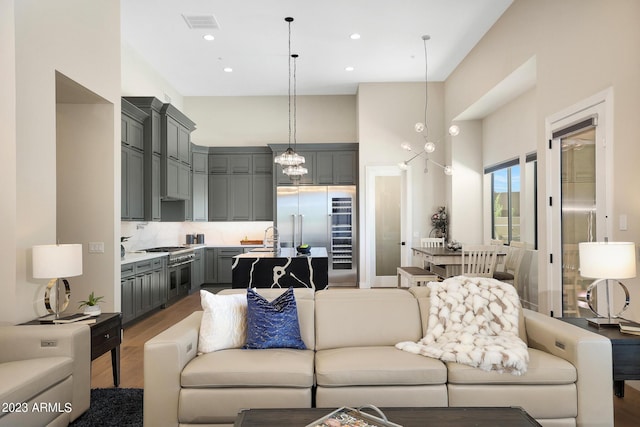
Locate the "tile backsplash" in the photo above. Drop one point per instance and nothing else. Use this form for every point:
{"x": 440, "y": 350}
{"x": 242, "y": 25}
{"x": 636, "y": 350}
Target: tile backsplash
{"x": 144, "y": 235}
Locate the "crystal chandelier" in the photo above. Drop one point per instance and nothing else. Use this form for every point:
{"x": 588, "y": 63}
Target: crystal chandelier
{"x": 292, "y": 163}
{"x": 421, "y": 128}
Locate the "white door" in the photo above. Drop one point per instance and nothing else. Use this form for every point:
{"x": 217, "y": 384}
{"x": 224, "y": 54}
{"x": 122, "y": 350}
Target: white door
{"x": 386, "y": 219}
{"x": 579, "y": 156}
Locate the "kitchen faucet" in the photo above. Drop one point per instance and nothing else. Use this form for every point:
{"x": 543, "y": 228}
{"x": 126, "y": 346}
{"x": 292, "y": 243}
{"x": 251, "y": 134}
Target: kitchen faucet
{"x": 275, "y": 239}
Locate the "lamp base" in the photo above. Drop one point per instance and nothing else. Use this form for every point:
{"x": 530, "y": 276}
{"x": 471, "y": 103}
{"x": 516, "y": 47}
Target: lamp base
{"x": 55, "y": 293}
{"x": 603, "y": 322}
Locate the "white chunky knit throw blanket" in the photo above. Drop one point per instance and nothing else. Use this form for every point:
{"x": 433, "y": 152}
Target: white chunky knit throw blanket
{"x": 474, "y": 321}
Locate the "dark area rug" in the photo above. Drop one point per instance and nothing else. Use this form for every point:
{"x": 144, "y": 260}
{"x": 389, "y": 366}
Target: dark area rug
{"x": 117, "y": 407}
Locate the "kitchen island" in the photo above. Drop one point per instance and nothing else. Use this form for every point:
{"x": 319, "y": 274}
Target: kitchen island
{"x": 262, "y": 268}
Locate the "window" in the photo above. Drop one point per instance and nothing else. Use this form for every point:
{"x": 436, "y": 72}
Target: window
{"x": 505, "y": 201}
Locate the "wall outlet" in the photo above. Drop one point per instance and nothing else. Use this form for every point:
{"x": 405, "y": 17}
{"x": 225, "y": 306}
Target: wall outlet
{"x": 96, "y": 247}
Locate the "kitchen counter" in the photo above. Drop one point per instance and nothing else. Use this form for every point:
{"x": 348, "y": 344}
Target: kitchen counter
{"x": 285, "y": 253}
{"x": 284, "y": 269}
{"x": 130, "y": 257}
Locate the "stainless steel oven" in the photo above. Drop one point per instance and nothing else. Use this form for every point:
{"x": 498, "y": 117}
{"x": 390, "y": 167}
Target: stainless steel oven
{"x": 178, "y": 270}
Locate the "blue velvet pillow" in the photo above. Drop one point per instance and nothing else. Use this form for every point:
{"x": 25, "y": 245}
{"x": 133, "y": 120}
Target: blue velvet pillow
{"x": 273, "y": 324}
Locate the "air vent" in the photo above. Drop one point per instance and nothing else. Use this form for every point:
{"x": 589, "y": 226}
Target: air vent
{"x": 198, "y": 22}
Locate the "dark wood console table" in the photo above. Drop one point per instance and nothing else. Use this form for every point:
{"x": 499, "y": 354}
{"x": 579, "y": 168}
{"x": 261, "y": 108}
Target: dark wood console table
{"x": 625, "y": 352}
{"x": 106, "y": 334}
{"x": 407, "y": 417}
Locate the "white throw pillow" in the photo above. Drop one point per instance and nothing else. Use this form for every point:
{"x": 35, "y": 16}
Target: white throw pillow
{"x": 224, "y": 321}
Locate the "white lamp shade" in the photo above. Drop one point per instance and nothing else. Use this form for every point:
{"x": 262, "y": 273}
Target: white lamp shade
{"x": 607, "y": 260}
{"x": 57, "y": 261}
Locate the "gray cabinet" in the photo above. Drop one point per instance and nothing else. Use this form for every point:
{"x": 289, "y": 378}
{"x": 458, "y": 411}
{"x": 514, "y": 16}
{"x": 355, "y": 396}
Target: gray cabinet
{"x": 132, "y": 184}
{"x": 200, "y": 197}
{"x": 198, "y": 270}
{"x": 240, "y": 198}
{"x": 337, "y": 168}
{"x": 143, "y": 287}
{"x": 210, "y": 275}
{"x": 224, "y": 261}
{"x": 240, "y": 184}
{"x": 177, "y": 179}
{"x": 218, "y": 262}
{"x": 262, "y": 197}
{"x": 328, "y": 164}
{"x": 200, "y": 184}
{"x": 131, "y": 129}
{"x": 176, "y": 147}
{"x": 132, "y": 162}
{"x": 218, "y": 197}
{"x": 153, "y": 155}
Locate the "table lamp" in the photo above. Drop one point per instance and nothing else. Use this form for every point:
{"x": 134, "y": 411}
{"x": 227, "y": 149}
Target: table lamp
{"x": 56, "y": 262}
{"x": 605, "y": 261}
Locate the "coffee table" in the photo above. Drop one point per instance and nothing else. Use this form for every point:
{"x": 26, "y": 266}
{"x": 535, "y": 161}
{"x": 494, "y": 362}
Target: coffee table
{"x": 407, "y": 417}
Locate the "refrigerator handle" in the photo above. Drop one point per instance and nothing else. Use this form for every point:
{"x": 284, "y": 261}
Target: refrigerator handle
{"x": 329, "y": 235}
{"x": 293, "y": 234}
{"x": 301, "y": 229}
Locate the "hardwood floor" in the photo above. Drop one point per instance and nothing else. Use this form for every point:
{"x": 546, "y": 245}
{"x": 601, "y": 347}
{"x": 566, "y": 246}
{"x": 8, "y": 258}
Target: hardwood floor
{"x": 626, "y": 410}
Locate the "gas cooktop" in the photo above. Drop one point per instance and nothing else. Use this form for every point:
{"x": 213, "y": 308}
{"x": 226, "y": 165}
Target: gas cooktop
{"x": 167, "y": 249}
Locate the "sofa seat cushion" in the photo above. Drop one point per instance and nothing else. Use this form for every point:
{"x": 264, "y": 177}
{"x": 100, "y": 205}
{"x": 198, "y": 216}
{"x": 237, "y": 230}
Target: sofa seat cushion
{"x": 544, "y": 368}
{"x": 376, "y": 365}
{"x": 273, "y": 367}
{"x": 24, "y": 379}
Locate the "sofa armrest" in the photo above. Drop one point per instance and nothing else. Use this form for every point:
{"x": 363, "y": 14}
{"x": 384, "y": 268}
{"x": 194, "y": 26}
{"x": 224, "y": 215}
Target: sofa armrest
{"x": 589, "y": 352}
{"x": 165, "y": 356}
{"x": 71, "y": 340}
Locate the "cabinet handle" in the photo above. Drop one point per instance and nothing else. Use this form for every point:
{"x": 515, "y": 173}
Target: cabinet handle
{"x": 107, "y": 336}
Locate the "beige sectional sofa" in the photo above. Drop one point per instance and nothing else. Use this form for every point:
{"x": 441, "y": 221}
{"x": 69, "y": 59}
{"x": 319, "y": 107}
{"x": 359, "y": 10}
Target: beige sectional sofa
{"x": 45, "y": 374}
{"x": 351, "y": 360}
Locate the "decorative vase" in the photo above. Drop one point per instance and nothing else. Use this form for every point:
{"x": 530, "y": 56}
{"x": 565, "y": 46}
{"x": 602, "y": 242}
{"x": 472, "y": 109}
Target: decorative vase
{"x": 92, "y": 310}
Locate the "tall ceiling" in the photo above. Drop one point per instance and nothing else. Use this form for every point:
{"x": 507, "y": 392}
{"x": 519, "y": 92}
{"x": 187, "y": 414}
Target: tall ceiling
{"x": 252, "y": 40}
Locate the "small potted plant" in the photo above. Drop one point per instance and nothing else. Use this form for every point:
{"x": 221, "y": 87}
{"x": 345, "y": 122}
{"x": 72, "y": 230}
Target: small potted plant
{"x": 91, "y": 305}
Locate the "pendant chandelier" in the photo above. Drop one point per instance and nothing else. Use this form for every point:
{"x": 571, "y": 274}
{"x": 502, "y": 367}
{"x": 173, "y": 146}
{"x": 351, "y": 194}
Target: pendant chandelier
{"x": 292, "y": 163}
{"x": 421, "y": 128}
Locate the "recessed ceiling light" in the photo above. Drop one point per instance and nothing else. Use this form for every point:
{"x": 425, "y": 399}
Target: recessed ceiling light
{"x": 349, "y": 68}
{"x": 227, "y": 69}
{"x": 208, "y": 37}
{"x": 355, "y": 36}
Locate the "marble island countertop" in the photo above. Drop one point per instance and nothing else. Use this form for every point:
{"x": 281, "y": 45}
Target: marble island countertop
{"x": 284, "y": 253}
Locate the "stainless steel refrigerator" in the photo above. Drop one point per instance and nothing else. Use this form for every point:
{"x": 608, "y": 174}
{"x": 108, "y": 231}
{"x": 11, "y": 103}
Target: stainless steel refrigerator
{"x": 322, "y": 216}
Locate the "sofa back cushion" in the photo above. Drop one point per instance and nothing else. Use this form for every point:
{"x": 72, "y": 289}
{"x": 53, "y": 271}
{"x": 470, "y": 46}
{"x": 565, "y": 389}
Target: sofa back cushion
{"x": 365, "y": 317}
{"x": 304, "y": 304}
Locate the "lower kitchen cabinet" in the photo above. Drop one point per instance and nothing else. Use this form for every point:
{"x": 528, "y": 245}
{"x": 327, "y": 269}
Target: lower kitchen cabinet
{"x": 198, "y": 270}
{"x": 143, "y": 287}
{"x": 218, "y": 262}
{"x": 224, "y": 261}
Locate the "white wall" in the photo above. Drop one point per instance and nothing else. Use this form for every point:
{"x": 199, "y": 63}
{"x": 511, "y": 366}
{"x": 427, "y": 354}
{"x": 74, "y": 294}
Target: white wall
{"x": 387, "y": 113}
{"x": 82, "y": 41}
{"x": 466, "y": 184}
{"x": 8, "y": 154}
{"x": 85, "y": 160}
{"x": 261, "y": 120}
{"x": 509, "y": 133}
{"x": 582, "y": 47}
{"x": 139, "y": 79}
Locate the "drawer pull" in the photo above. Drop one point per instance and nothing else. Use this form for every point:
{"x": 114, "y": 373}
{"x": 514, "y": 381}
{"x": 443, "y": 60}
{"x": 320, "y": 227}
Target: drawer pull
{"x": 106, "y": 336}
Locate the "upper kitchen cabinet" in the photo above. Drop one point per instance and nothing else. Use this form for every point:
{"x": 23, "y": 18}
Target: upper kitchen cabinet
{"x": 327, "y": 164}
{"x": 132, "y": 162}
{"x": 176, "y": 157}
{"x": 153, "y": 155}
{"x": 200, "y": 185}
{"x": 240, "y": 184}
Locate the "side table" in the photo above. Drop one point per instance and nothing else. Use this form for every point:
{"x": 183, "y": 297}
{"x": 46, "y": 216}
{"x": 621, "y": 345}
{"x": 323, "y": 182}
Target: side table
{"x": 106, "y": 334}
{"x": 625, "y": 352}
